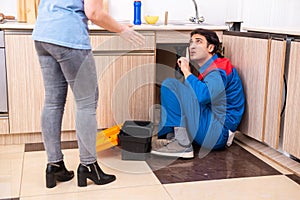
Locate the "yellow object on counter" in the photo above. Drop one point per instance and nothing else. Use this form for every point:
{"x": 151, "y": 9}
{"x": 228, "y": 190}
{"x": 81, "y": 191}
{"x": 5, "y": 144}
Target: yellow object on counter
{"x": 151, "y": 19}
{"x": 107, "y": 138}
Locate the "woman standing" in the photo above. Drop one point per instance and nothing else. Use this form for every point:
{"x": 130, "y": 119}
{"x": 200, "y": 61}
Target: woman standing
{"x": 64, "y": 51}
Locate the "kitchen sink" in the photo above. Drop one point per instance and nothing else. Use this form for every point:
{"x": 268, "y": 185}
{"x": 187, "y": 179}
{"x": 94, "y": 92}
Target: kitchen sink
{"x": 181, "y": 22}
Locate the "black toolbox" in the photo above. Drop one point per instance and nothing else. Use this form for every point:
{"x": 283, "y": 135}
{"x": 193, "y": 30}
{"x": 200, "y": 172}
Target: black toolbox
{"x": 135, "y": 139}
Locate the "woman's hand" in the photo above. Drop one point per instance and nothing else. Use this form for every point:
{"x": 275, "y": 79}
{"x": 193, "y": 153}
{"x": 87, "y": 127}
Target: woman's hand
{"x": 95, "y": 12}
{"x": 132, "y": 36}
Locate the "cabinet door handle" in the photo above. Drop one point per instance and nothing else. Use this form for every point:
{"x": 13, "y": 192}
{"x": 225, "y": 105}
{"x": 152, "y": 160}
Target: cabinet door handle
{"x": 285, "y": 94}
{"x": 123, "y": 53}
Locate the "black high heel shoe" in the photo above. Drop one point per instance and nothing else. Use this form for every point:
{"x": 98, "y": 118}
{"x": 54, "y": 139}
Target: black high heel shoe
{"x": 57, "y": 172}
{"x": 94, "y": 173}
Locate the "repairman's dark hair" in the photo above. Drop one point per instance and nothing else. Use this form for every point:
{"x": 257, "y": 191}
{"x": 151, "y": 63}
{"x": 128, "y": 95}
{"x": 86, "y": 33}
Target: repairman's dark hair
{"x": 211, "y": 37}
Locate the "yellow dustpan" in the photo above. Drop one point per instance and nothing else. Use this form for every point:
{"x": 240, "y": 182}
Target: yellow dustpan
{"x": 107, "y": 138}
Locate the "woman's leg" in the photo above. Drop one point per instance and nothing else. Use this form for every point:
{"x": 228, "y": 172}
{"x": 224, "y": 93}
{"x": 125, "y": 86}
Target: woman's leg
{"x": 55, "y": 86}
{"x": 80, "y": 71}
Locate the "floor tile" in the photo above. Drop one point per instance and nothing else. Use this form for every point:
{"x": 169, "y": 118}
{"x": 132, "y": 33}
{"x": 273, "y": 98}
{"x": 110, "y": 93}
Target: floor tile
{"x": 282, "y": 158}
{"x": 237, "y": 172}
{"x": 277, "y": 187}
{"x": 10, "y": 174}
{"x": 270, "y": 162}
{"x": 128, "y": 193}
{"x": 294, "y": 178}
{"x": 128, "y": 174}
{"x": 233, "y": 162}
{"x": 16, "y": 148}
{"x": 112, "y": 158}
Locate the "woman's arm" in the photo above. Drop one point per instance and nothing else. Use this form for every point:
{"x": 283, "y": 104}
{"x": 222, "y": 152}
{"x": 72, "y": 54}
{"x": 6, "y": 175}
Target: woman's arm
{"x": 94, "y": 11}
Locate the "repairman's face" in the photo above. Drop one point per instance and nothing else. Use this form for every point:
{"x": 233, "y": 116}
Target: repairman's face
{"x": 199, "y": 49}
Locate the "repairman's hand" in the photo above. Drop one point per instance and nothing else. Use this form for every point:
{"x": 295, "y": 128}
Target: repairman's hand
{"x": 132, "y": 36}
{"x": 183, "y": 63}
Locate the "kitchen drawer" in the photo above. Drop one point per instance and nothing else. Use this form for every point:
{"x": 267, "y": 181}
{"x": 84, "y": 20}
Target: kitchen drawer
{"x": 172, "y": 37}
{"x": 1, "y": 39}
{"x": 113, "y": 42}
{"x": 4, "y": 125}
{"x": 177, "y": 37}
{"x": 3, "y": 84}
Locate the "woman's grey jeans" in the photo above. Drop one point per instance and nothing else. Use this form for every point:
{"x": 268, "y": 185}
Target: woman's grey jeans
{"x": 62, "y": 66}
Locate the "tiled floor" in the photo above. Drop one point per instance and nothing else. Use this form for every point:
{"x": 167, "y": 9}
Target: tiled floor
{"x": 233, "y": 162}
{"x": 235, "y": 173}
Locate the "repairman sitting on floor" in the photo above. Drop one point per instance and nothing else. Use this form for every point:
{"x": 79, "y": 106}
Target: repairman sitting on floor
{"x": 205, "y": 107}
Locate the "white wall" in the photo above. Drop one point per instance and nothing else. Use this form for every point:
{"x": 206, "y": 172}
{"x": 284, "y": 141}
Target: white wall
{"x": 272, "y": 13}
{"x": 177, "y": 10}
{"x": 268, "y": 13}
{"x": 8, "y": 7}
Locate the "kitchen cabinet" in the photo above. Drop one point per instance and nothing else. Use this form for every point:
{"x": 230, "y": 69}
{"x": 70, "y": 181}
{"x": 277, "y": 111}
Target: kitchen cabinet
{"x": 274, "y": 92}
{"x": 24, "y": 81}
{"x": 25, "y": 86}
{"x": 126, "y": 79}
{"x": 126, "y": 88}
{"x": 291, "y": 132}
{"x": 178, "y": 37}
{"x": 3, "y": 88}
{"x": 250, "y": 55}
{"x": 4, "y": 129}
{"x": 125, "y": 75}
{"x": 260, "y": 60}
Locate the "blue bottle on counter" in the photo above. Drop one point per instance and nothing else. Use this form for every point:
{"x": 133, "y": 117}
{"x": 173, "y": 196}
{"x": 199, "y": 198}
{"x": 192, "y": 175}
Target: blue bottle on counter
{"x": 137, "y": 12}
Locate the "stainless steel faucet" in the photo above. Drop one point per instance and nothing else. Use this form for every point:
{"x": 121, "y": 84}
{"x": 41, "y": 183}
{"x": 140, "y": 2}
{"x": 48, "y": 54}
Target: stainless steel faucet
{"x": 196, "y": 19}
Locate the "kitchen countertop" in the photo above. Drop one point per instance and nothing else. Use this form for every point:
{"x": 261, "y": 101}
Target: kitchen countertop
{"x": 286, "y": 31}
{"x": 180, "y": 27}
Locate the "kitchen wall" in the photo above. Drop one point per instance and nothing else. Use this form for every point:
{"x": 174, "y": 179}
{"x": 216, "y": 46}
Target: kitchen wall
{"x": 268, "y": 13}
{"x": 213, "y": 12}
{"x": 8, "y": 7}
{"x": 272, "y": 13}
